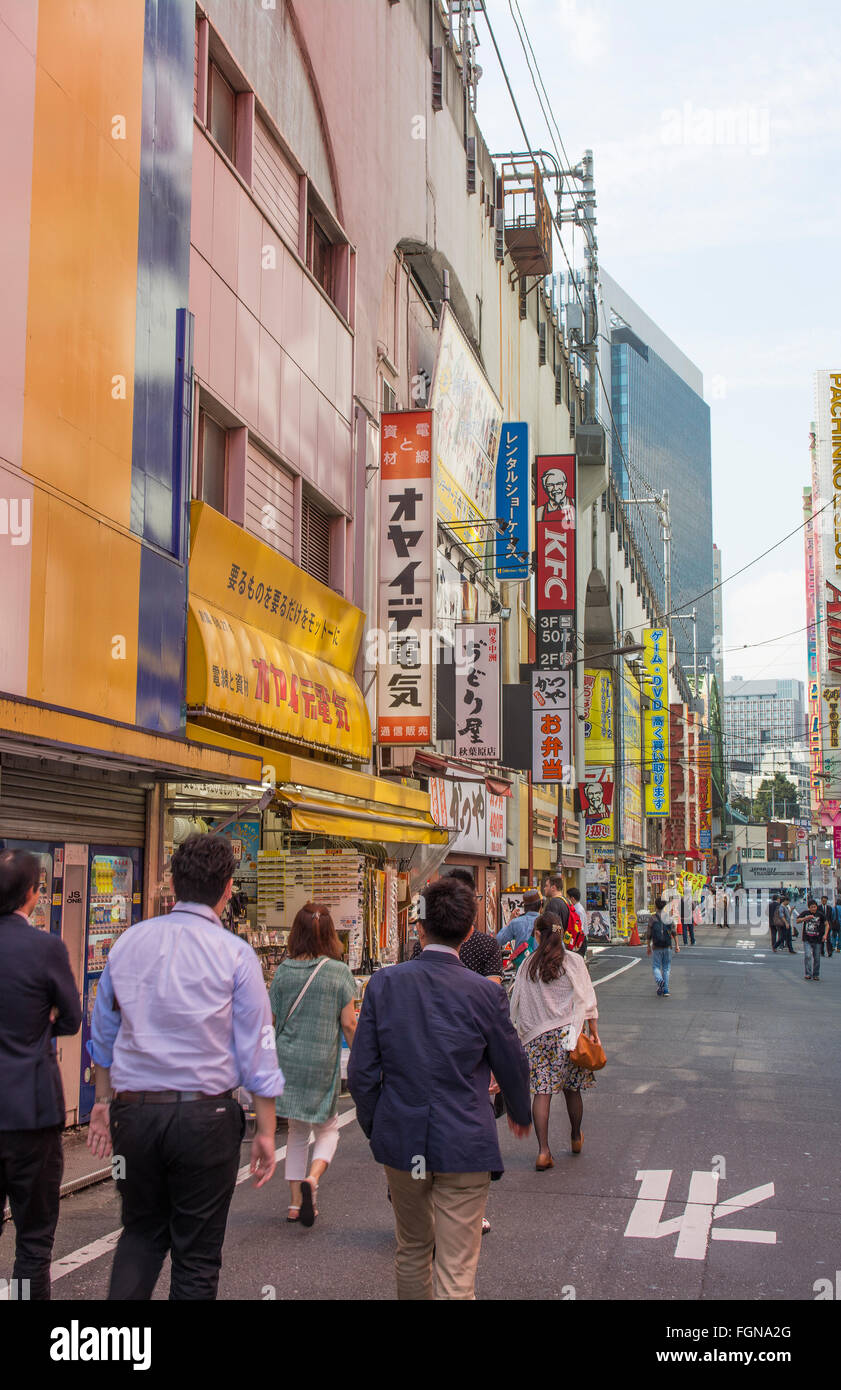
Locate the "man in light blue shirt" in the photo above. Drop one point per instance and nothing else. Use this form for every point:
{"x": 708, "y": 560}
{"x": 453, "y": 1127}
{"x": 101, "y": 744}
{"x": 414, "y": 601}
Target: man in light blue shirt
{"x": 182, "y": 1018}
{"x": 520, "y": 928}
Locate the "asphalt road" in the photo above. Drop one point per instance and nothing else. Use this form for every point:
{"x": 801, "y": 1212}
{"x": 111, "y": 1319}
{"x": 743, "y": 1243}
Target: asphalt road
{"x": 737, "y": 1073}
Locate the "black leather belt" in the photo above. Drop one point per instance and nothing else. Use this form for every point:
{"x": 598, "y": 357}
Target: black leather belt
{"x": 166, "y": 1097}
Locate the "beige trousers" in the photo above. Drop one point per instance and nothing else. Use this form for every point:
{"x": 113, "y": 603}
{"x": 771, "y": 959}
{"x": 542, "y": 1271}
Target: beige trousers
{"x": 438, "y": 1221}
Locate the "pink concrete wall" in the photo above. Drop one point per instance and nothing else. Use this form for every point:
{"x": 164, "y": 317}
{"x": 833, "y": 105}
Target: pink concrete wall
{"x": 268, "y": 343}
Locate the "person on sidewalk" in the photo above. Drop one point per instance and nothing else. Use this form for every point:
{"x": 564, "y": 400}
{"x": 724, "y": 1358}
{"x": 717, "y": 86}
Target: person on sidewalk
{"x": 430, "y": 1033}
{"x": 784, "y": 918}
{"x": 312, "y": 996}
{"x": 39, "y": 1001}
{"x": 552, "y": 1000}
{"x": 835, "y": 927}
{"x": 687, "y": 923}
{"x": 554, "y": 899}
{"x": 659, "y": 941}
{"x": 578, "y": 939}
{"x": 181, "y": 1020}
{"x": 520, "y": 930}
{"x": 815, "y": 932}
{"x": 775, "y": 923}
{"x": 829, "y": 915}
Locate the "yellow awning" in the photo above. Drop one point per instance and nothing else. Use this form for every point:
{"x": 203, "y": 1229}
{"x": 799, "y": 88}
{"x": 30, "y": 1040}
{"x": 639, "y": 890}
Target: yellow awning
{"x": 30, "y": 727}
{"x": 256, "y": 681}
{"x": 358, "y": 806}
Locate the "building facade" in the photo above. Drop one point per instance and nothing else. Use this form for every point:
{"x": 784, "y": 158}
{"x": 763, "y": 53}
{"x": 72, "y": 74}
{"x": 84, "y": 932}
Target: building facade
{"x": 759, "y": 717}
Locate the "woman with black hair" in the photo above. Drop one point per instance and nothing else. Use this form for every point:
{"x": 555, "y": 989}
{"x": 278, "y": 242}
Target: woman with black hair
{"x": 552, "y": 1001}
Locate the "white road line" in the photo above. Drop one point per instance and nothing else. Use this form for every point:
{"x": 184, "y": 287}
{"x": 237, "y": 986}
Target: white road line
{"x": 97, "y": 1248}
{"x": 614, "y": 973}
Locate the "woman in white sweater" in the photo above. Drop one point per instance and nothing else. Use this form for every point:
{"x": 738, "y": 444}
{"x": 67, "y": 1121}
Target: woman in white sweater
{"x": 552, "y": 1001}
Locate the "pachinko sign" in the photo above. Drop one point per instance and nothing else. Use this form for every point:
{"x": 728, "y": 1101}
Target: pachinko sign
{"x": 655, "y": 662}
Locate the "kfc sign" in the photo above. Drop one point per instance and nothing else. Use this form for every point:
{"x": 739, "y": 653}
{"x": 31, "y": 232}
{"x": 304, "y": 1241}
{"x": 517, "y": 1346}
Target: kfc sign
{"x": 555, "y": 535}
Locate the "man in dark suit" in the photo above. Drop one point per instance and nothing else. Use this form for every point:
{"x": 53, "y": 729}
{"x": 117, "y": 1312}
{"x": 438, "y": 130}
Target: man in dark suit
{"x": 429, "y": 1035}
{"x": 38, "y": 1001}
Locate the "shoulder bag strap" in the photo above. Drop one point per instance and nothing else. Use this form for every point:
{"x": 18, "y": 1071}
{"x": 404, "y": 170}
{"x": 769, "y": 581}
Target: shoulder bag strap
{"x": 309, "y": 981}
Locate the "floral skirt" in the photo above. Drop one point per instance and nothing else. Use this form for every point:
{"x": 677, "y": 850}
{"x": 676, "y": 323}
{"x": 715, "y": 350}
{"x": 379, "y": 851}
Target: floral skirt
{"x": 550, "y": 1069}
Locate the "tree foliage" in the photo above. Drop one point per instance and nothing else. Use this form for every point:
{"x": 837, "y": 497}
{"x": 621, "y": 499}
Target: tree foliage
{"x": 776, "y": 800}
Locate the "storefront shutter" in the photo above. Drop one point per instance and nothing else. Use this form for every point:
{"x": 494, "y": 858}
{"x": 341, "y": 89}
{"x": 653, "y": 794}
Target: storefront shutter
{"x": 315, "y": 541}
{"x": 63, "y": 802}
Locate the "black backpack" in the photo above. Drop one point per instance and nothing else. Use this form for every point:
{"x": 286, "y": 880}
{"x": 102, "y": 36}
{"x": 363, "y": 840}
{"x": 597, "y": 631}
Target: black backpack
{"x": 661, "y": 933}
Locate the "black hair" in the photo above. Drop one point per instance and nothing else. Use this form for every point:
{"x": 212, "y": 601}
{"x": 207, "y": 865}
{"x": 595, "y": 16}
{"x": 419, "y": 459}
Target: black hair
{"x": 449, "y": 911}
{"x": 201, "y": 869}
{"x": 463, "y": 876}
{"x": 547, "y": 962}
{"x": 20, "y": 872}
{"x": 574, "y": 894}
{"x": 659, "y": 903}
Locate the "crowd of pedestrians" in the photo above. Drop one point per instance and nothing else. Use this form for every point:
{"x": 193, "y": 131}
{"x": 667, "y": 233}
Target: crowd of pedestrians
{"x": 183, "y": 1023}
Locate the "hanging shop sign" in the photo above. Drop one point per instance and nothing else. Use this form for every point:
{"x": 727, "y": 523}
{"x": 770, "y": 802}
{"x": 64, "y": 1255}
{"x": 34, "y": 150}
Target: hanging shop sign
{"x": 269, "y": 649}
{"x": 468, "y": 424}
{"x": 655, "y": 661}
{"x": 555, "y": 541}
{"x": 513, "y": 558}
{"x": 814, "y": 698}
{"x": 705, "y": 794}
{"x": 407, "y": 570}
{"x": 551, "y": 703}
{"x": 477, "y": 686}
{"x": 631, "y": 759}
{"x": 479, "y": 816}
{"x": 826, "y": 491}
{"x": 599, "y": 755}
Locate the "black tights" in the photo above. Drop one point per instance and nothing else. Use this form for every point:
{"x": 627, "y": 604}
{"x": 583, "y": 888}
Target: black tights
{"x": 540, "y": 1115}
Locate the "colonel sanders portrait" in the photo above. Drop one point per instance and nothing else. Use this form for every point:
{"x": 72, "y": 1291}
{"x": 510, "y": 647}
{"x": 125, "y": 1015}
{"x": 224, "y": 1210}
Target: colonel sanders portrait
{"x": 557, "y": 505}
{"x": 597, "y": 810}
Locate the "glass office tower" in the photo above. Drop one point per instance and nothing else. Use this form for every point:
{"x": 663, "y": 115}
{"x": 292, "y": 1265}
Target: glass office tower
{"x": 661, "y": 439}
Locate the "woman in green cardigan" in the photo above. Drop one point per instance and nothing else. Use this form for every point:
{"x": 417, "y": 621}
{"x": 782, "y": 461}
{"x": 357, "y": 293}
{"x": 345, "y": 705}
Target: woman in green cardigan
{"x": 312, "y": 996}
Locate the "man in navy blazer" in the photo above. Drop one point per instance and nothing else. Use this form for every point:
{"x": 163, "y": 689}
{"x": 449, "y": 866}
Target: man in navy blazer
{"x": 38, "y": 1001}
{"x": 430, "y": 1033}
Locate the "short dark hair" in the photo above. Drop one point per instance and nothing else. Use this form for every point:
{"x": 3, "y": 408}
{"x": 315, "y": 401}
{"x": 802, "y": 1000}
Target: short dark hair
{"x": 449, "y": 910}
{"x": 556, "y": 881}
{"x": 20, "y": 872}
{"x": 574, "y": 894}
{"x": 313, "y": 933}
{"x": 659, "y": 903}
{"x": 463, "y": 876}
{"x": 201, "y": 869}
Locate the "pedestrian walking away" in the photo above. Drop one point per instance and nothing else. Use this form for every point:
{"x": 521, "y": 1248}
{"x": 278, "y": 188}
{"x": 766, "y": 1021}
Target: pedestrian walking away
{"x": 181, "y": 1020}
{"x": 430, "y": 1033}
{"x": 815, "y": 932}
{"x": 480, "y": 951}
{"x": 828, "y": 911}
{"x": 660, "y": 939}
{"x": 784, "y": 918}
{"x": 39, "y": 1001}
{"x": 552, "y": 1001}
{"x": 578, "y": 936}
{"x": 311, "y": 997}
{"x": 835, "y": 926}
{"x": 519, "y": 932}
{"x": 776, "y": 922}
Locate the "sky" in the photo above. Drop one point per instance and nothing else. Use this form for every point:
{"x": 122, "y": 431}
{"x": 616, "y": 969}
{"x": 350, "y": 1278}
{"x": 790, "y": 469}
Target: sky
{"x": 716, "y": 134}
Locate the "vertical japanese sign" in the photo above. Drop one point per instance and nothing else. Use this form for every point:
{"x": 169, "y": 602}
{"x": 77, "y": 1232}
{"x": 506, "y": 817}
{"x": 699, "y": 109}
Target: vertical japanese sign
{"x": 826, "y": 489}
{"x": 512, "y": 502}
{"x": 597, "y": 789}
{"x": 406, "y": 590}
{"x": 814, "y": 700}
{"x": 631, "y": 829}
{"x": 551, "y": 703}
{"x": 705, "y": 795}
{"x": 477, "y": 686}
{"x": 555, "y": 539}
{"x": 655, "y": 662}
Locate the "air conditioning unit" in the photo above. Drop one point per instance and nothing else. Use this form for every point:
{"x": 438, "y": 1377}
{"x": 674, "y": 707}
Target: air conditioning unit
{"x": 590, "y": 444}
{"x": 574, "y": 318}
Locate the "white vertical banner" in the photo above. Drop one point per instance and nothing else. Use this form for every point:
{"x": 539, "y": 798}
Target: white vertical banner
{"x": 407, "y": 577}
{"x": 551, "y": 703}
{"x": 477, "y": 687}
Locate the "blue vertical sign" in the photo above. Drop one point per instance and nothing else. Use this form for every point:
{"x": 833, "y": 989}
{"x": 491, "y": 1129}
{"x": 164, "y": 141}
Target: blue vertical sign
{"x": 512, "y": 502}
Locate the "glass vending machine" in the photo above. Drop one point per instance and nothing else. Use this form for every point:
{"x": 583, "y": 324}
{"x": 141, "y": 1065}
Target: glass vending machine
{"x": 46, "y": 914}
{"x": 114, "y": 904}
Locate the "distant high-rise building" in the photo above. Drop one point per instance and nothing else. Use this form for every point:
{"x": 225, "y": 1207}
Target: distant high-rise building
{"x": 761, "y": 719}
{"x": 661, "y": 440}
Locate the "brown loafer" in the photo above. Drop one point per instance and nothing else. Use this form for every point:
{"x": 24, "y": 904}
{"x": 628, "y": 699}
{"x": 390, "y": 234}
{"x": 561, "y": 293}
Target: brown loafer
{"x": 542, "y": 1165}
{"x": 575, "y": 1144}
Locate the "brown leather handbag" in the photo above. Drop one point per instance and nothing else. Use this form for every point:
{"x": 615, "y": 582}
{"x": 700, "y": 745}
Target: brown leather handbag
{"x": 588, "y": 1055}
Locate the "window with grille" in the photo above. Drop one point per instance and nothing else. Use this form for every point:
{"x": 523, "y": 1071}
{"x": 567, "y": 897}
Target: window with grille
{"x": 315, "y": 540}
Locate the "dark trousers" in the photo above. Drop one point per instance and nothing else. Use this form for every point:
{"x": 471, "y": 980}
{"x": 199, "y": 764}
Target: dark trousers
{"x": 31, "y": 1165}
{"x": 180, "y": 1166}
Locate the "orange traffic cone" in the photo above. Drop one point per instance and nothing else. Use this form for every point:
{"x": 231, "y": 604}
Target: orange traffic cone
{"x": 634, "y": 938}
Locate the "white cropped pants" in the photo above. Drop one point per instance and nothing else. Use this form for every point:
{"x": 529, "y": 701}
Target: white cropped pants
{"x": 300, "y": 1133}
